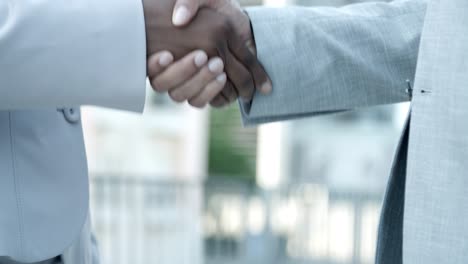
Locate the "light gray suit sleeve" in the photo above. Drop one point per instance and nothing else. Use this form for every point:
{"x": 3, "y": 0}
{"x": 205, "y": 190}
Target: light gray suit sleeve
{"x": 325, "y": 59}
{"x": 70, "y": 53}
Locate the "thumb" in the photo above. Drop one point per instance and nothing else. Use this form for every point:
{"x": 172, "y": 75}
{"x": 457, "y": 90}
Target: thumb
{"x": 184, "y": 11}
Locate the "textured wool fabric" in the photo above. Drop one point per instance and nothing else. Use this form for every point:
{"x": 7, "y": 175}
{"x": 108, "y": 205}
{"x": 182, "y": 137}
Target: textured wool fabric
{"x": 333, "y": 59}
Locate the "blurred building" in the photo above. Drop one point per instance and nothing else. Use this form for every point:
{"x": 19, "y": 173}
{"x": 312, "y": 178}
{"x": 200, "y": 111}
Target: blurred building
{"x": 320, "y": 183}
{"x": 146, "y": 177}
{"x": 319, "y": 188}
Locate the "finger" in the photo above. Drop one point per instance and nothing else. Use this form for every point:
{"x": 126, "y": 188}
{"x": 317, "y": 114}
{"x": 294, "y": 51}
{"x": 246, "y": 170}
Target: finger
{"x": 243, "y": 52}
{"x": 195, "y": 85}
{"x": 218, "y": 102}
{"x": 209, "y": 92}
{"x": 158, "y": 62}
{"x": 184, "y": 11}
{"x": 229, "y": 92}
{"x": 180, "y": 71}
{"x": 240, "y": 77}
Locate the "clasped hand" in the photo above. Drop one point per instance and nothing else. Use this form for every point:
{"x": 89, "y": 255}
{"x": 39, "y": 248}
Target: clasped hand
{"x": 178, "y": 54}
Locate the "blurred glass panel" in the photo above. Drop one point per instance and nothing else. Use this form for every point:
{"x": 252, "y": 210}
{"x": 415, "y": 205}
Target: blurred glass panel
{"x": 341, "y": 232}
{"x": 370, "y": 220}
{"x": 257, "y": 216}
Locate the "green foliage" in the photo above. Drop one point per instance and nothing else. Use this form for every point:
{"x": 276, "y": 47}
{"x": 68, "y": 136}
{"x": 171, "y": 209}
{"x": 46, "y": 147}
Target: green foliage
{"x": 232, "y": 149}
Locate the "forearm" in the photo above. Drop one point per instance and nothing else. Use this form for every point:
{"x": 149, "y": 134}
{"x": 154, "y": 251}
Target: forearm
{"x": 66, "y": 53}
{"x": 327, "y": 59}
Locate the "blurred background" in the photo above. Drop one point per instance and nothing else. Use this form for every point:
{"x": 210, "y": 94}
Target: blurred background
{"x": 185, "y": 186}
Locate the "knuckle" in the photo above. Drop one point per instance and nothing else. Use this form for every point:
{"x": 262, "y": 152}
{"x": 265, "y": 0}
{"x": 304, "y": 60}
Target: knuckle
{"x": 260, "y": 76}
{"x": 221, "y": 47}
{"x": 247, "y": 93}
{"x": 190, "y": 89}
{"x": 187, "y": 68}
{"x": 157, "y": 86}
{"x": 250, "y": 60}
{"x": 176, "y": 97}
{"x": 230, "y": 91}
{"x": 247, "y": 83}
{"x": 152, "y": 70}
{"x": 207, "y": 75}
{"x": 197, "y": 103}
{"x": 230, "y": 94}
{"x": 226, "y": 27}
{"x": 236, "y": 48}
{"x": 217, "y": 100}
{"x": 223, "y": 27}
{"x": 245, "y": 55}
{"x": 215, "y": 104}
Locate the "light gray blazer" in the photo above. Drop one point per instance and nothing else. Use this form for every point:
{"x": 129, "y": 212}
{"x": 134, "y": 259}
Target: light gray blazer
{"x": 55, "y": 55}
{"x": 330, "y": 59}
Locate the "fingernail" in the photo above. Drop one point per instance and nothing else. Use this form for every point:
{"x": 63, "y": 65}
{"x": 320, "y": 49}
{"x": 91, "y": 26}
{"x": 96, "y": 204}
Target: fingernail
{"x": 266, "y": 88}
{"x": 200, "y": 59}
{"x": 251, "y": 46}
{"x": 165, "y": 59}
{"x": 181, "y": 15}
{"x": 221, "y": 78}
{"x": 216, "y": 65}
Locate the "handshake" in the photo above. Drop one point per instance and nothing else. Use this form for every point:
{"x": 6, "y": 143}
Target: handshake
{"x": 181, "y": 37}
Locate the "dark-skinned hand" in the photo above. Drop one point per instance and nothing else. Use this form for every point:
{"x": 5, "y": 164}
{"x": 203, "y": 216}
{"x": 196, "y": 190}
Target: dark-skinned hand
{"x": 211, "y": 32}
